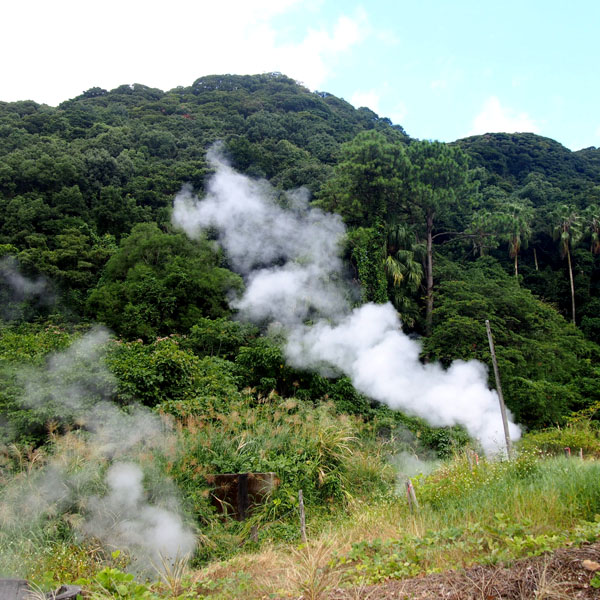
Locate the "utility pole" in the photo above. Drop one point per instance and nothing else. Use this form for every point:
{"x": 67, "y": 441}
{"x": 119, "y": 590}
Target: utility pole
{"x": 499, "y": 390}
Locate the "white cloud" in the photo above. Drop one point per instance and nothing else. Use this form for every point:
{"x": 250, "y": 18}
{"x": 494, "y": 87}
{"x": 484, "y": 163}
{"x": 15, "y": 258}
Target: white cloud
{"x": 311, "y": 60}
{"x": 55, "y": 50}
{"x": 377, "y": 103}
{"x": 370, "y": 99}
{"x": 388, "y": 37}
{"x": 398, "y": 113}
{"x": 494, "y": 117}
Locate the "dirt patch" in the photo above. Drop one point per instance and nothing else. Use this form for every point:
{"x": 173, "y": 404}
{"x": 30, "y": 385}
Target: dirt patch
{"x": 554, "y": 576}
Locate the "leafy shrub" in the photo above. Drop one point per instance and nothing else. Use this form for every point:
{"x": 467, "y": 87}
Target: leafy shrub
{"x": 218, "y": 337}
{"x": 309, "y": 448}
{"x": 163, "y": 373}
{"x": 583, "y": 435}
{"x": 262, "y": 367}
{"x": 24, "y": 351}
{"x": 347, "y": 399}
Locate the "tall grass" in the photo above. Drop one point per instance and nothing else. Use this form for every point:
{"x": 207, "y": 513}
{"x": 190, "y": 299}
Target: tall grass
{"x": 360, "y": 527}
{"x": 332, "y": 458}
{"x": 39, "y": 512}
{"x": 497, "y": 512}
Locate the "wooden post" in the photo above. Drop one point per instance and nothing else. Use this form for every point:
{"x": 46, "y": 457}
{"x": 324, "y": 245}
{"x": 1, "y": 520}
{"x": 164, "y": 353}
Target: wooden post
{"x": 499, "y": 390}
{"x": 243, "y": 501}
{"x": 469, "y": 458}
{"x": 413, "y": 503}
{"x": 473, "y": 458}
{"x": 302, "y": 516}
{"x": 408, "y": 496}
{"x": 581, "y": 453}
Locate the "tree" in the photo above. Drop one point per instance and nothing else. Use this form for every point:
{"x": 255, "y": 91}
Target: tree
{"x": 548, "y": 367}
{"x": 439, "y": 186}
{"x": 482, "y": 230}
{"x": 368, "y": 255}
{"x": 516, "y": 221}
{"x": 591, "y": 216}
{"x": 368, "y": 184}
{"x": 567, "y": 229}
{"x": 367, "y": 189}
{"x": 404, "y": 270}
{"x": 158, "y": 283}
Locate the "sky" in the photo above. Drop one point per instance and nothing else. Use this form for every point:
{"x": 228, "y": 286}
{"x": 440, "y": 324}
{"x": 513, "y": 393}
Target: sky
{"x": 443, "y": 69}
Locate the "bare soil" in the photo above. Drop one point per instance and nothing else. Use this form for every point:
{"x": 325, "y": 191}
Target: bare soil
{"x": 554, "y": 576}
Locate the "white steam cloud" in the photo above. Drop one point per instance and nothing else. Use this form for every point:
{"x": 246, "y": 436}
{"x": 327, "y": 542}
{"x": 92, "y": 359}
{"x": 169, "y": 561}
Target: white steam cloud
{"x": 289, "y": 257}
{"x": 124, "y": 518}
{"x": 122, "y": 509}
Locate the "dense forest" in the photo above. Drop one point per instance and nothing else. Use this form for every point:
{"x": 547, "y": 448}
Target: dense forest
{"x": 504, "y": 227}
{"x": 501, "y": 226}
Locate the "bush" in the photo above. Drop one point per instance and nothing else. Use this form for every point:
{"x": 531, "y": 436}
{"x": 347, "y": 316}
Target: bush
{"x": 553, "y": 441}
{"x": 313, "y": 449}
{"x": 219, "y": 337}
{"x": 163, "y": 373}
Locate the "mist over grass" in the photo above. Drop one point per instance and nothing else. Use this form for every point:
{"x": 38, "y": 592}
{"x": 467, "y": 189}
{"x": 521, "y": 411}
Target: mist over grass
{"x": 99, "y": 473}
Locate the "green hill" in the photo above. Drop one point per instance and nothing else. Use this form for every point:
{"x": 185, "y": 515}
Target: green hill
{"x": 500, "y": 227}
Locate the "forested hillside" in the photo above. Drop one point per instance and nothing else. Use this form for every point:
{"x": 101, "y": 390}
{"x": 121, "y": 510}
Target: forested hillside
{"x": 504, "y": 227}
{"x": 86, "y": 190}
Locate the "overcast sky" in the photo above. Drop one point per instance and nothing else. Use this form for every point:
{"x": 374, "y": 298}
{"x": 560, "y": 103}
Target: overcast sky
{"x": 443, "y": 69}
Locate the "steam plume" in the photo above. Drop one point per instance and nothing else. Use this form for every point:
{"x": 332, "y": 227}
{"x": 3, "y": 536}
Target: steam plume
{"x": 290, "y": 260}
{"x": 75, "y": 385}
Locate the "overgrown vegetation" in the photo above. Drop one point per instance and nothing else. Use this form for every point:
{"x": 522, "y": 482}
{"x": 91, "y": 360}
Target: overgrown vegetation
{"x": 485, "y": 512}
{"x": 499, "y": 227}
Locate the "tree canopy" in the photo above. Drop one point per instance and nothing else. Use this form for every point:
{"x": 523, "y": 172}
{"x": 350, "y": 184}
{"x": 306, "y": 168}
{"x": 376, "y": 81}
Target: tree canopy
{"x": 451, "y": 234}
{"x": 158, "y": 283}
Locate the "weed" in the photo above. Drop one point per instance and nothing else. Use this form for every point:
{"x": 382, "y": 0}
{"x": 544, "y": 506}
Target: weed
{"x": 35, "y": 592}
{"x": 113, "y": 583}
{"x": 171, "y": 572}
{"x": 543, "y": 584}
{"x": 313, "y": 571}
{"x": 580, "y": 433}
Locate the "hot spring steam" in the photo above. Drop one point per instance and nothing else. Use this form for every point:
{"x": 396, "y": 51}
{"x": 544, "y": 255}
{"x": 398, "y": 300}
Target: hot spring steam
{"x": 102, "y": 472}
{"x": 289, "y": 258}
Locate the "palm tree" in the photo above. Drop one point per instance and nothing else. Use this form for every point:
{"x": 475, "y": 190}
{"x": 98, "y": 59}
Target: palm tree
{"x": 567, "y": 229}
{"x": 517, "y": 221}
{"x": 404, "y": 270}
{"x": 592, "y": 221}
{"x": 482, "y": 231}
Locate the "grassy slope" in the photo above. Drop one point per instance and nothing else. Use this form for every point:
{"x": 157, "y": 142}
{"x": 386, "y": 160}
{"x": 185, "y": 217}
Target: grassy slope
{"x": 491, "y": 514}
